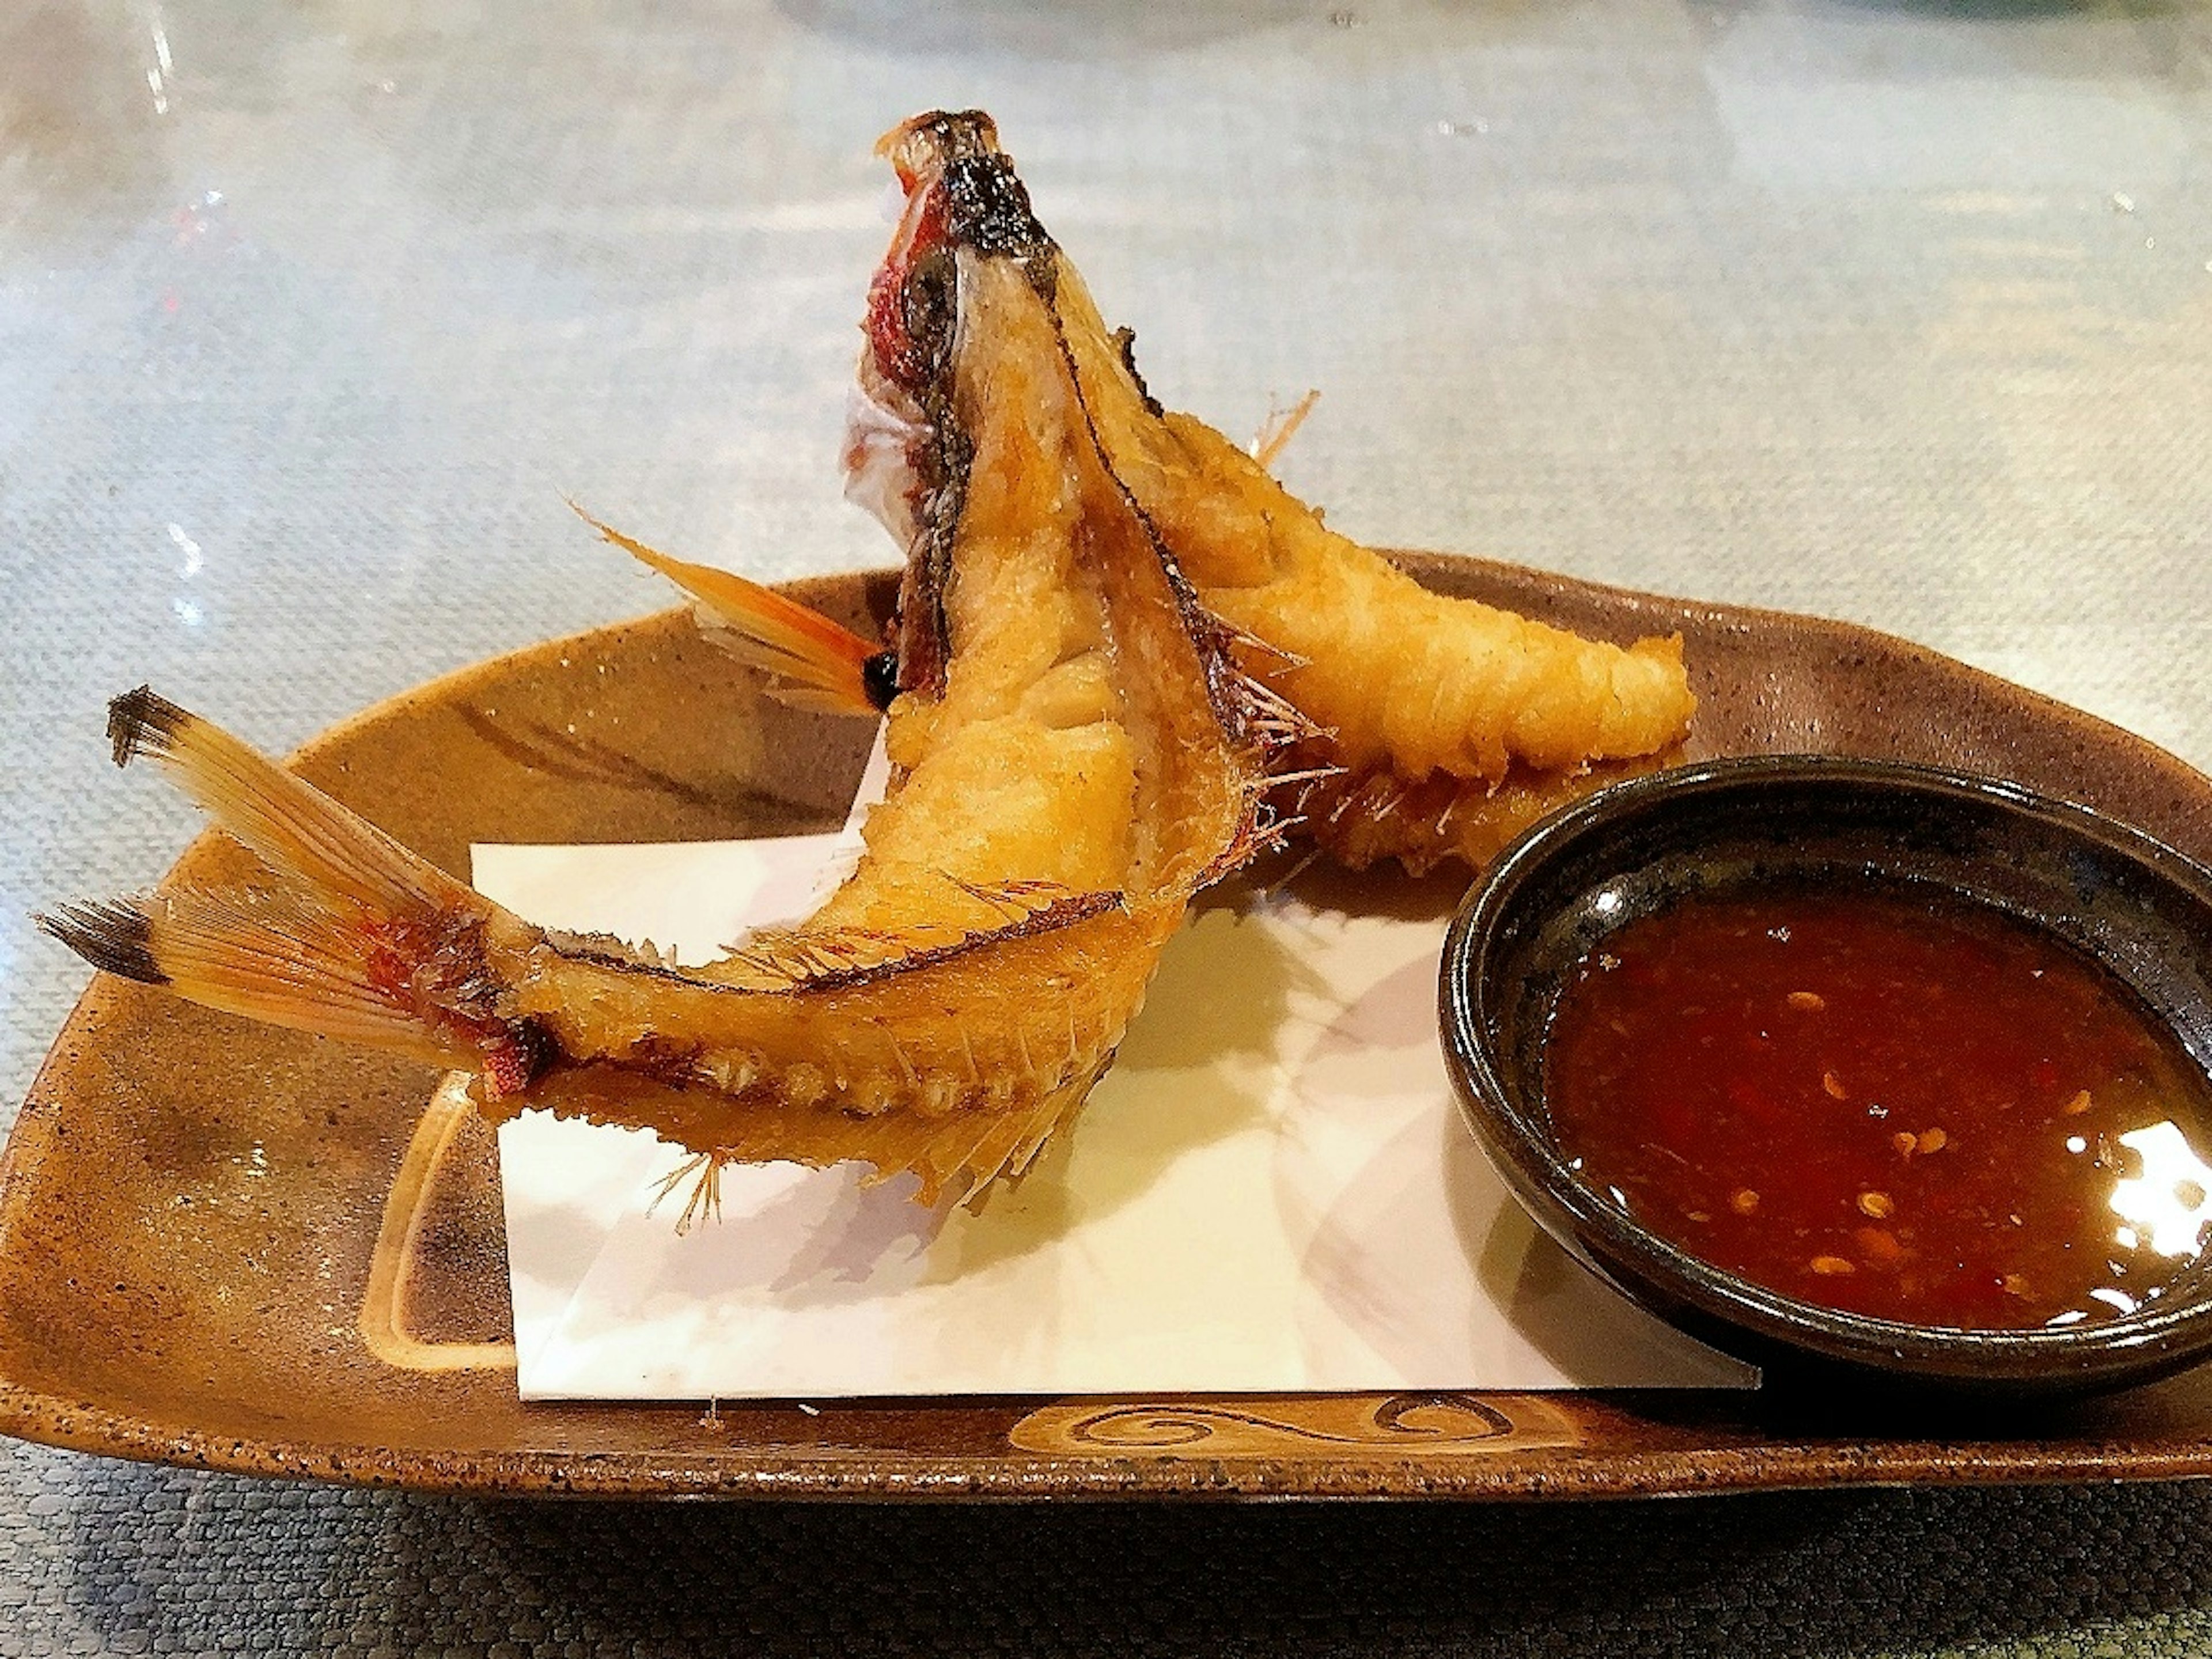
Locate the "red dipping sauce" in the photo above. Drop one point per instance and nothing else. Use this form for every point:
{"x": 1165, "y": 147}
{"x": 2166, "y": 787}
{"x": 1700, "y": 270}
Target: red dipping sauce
{"x": 1887, "y": 1102}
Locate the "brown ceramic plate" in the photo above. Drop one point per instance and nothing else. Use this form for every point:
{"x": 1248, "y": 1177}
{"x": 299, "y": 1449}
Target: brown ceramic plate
{"x": 199, "y": 1263}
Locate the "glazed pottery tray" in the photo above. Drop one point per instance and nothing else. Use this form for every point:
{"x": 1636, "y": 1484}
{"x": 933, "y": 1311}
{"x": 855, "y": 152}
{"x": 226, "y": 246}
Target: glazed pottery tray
{"x": 234, "y": 1247}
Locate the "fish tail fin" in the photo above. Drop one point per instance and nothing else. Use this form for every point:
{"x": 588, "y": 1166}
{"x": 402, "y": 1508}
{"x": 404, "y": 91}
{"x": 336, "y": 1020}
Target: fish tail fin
{"x": 356, "y": 937}
{"x": 293, "y": 826}
{"x": 812, "y": 662}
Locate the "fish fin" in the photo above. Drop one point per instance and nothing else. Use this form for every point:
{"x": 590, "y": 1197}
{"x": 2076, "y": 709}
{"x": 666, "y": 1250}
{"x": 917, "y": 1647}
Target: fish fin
{"x": 1281, "y": 426}
{"x": 358, "y": 937}
{"x": 957, "y": 1159}
{"x": 285, "y": 968}
{"x": 292, "y": 825}
{"x": 811, "y": 958}
{"x": 1273, "y": 721}
{"x": 813, "y": 663}
{"x": 702, "y": 1172}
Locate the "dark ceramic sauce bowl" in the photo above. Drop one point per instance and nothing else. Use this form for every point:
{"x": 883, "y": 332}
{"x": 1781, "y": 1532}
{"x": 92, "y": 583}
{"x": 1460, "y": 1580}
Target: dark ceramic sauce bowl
{"x": 2130, "y": 904}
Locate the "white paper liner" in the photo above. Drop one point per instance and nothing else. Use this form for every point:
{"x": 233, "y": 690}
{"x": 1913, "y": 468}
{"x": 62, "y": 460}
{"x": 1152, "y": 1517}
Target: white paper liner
{"x": 1271, "y": 1191}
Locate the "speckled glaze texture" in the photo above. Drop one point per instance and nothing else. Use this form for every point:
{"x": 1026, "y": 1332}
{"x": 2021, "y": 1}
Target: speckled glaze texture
{"x": 188, "y": 1201}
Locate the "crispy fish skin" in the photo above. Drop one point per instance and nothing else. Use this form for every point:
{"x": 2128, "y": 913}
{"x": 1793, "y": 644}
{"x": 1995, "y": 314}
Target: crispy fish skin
{"x": 1444, "y": 725}
{"x": 1074, "y": 756}
{"x": 953, "y": 1057}
{"x": 1397, "y": 674}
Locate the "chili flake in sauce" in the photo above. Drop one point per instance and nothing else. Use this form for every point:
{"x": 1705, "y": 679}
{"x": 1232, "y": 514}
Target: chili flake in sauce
{"x": 1889, "y": 1103}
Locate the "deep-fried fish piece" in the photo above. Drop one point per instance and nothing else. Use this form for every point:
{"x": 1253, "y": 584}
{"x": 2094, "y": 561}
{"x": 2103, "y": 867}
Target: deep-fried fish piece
{"x": 1074, "y": 756}
{"x": 1437, "y": 726}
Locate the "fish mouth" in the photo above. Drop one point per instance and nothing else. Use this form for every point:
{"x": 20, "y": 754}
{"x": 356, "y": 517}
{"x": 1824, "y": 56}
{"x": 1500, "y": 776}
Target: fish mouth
{"x": 905, "y": 456}
{"x": 961, "y": 192}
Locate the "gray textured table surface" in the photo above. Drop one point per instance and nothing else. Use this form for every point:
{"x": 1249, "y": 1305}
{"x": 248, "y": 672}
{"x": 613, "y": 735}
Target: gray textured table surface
{"x": 310, "y": 313}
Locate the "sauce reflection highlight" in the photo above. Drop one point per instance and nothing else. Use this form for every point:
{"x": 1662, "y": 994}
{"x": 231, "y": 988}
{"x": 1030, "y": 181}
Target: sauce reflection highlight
{"x": 1887, "y": 1101}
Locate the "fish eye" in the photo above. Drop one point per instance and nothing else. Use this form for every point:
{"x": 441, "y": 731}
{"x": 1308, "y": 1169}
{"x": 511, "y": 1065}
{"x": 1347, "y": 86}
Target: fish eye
{"x": 879, "y": 678}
